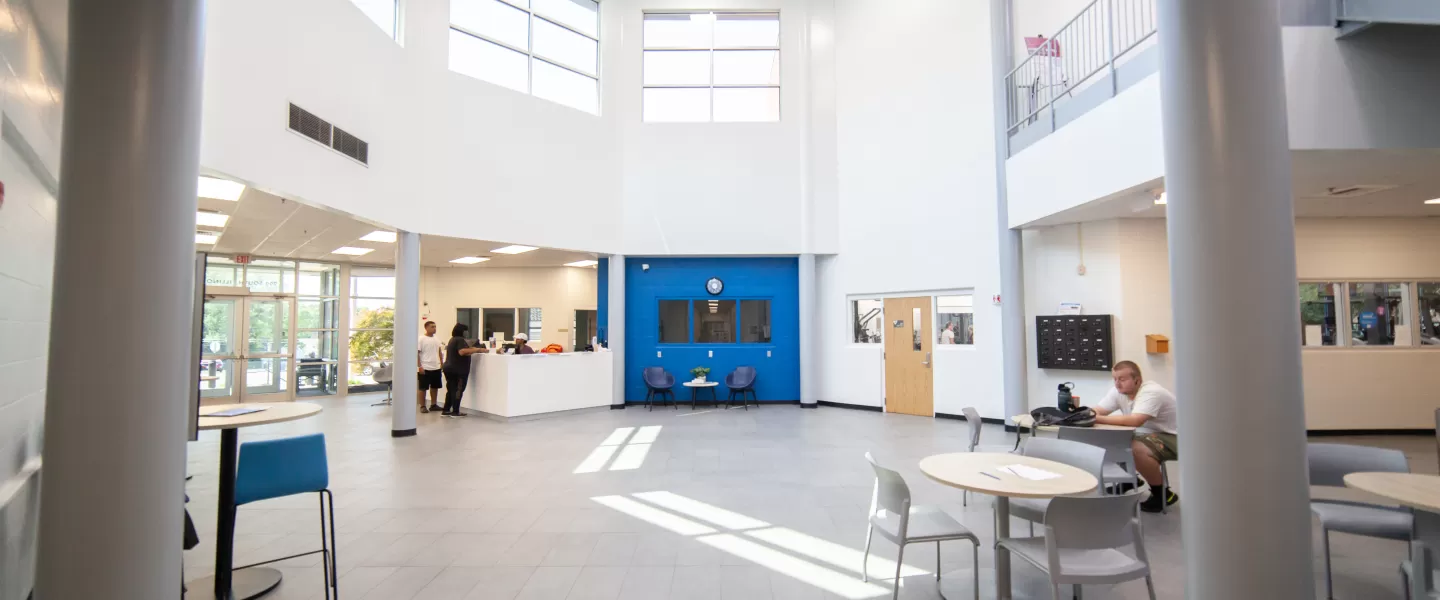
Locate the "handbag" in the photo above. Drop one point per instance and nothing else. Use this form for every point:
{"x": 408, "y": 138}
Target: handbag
{"x": 1047, "y": 416}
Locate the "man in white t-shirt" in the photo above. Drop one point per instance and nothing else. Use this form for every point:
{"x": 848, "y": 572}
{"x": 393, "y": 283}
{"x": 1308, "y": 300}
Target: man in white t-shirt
{"x": 1151, "y": 410}
{"x": 430, "y": 377}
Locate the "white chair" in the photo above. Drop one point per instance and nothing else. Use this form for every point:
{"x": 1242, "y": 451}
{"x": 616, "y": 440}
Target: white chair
{"x": 1083, "y": 541}
{"x": 1329, "y": 464}
{"x": 976, "y": 424}
{"x": 385, "y": 373}
{"x": 1076, "y": 454}
{"x": 896, "y": 520}
{"x": 1119, "y": 464}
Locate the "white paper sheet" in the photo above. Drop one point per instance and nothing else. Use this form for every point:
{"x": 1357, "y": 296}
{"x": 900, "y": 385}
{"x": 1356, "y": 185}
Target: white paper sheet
{"x": 1028, "y": 472}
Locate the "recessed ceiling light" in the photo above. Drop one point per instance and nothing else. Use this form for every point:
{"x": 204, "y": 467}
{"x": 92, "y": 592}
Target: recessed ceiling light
{"x": 353, "y": 251}
{"x": 516, "y": 249}
{"x": 206, "y": 238}
{"x": 220, "y": 189}
{"x": 387, "y": 237}
{"x": 469, "y": 260}
{"x": 583, "y": 263}
{"x": 1160, "y": 200}
{"x": 1433, "y": 201}
{"x": 211, "y": 219}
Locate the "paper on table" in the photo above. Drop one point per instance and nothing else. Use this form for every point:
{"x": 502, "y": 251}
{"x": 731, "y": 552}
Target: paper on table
{"x": 1028, "y": 472}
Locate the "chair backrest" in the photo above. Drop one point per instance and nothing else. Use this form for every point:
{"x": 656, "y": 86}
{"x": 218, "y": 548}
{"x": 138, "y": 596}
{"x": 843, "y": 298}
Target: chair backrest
{"x": 972, "y": 418}
{"x": 656, "y": 377}
{"x": 383, "y": 373}
{"x": 891, "y": 495}
{"x": 1330, "y": 463}
{"x": 283, "y": 467}
{"x": 744, "y": 376}
{"x": 1093, "y": 523}
{"x": 1085, "y": 457}
{"x": 1116, "y": 442}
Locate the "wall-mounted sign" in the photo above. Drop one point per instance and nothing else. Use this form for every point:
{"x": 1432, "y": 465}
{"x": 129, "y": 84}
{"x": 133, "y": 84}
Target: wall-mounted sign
{"x": 1368, "y": 320}
{"x": 714, "y": 286}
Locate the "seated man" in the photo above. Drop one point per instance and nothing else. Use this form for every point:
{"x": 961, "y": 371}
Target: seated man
{"x": 1151, "y": 410}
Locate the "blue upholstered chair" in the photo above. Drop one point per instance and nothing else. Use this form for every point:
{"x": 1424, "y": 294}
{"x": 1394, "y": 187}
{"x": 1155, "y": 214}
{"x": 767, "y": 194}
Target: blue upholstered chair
{"x": 741, "y": 381}
{"x": 285, "y": 467}
{"x": 658, "y": 382}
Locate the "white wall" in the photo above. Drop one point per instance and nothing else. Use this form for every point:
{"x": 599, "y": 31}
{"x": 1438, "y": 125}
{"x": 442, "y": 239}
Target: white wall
{"x": 558, "y": 292}
{"x": 31, "y": 100}
{"x": 916, "y": 190}
{"x": 1128, "y": 275}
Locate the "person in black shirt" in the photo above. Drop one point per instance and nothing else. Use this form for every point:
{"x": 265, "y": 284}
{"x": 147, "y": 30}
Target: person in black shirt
{"x": 457, "y": 369}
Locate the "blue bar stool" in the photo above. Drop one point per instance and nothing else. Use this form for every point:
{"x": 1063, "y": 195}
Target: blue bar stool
{"x": 285, "y": 467}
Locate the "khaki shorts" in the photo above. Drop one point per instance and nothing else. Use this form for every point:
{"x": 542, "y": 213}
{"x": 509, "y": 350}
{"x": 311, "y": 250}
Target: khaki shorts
{"x": 1165, "y": 446}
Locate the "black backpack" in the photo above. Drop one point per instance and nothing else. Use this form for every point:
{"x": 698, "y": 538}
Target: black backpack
{"x": 1080, "y": 417}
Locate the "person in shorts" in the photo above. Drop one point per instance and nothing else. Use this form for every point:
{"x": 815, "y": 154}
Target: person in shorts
{"x": 430, "y": 362}
{"x": 1151, "y": 410}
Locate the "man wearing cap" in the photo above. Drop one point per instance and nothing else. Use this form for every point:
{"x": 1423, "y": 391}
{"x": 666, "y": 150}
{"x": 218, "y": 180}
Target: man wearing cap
{"x": 522, "y": 344}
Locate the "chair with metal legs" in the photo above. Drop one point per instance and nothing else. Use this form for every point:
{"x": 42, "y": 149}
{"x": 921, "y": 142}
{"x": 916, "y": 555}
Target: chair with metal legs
{"x": 659, "y": 383}
{"x": 892, "y": 515}
{"x": 285, "y": 467}
{"x": 1119, "y": 464}
{"x": 385, "y": 374}
{"x": 1083, "y": 541}
{"x": 1085, "y": 457}
{"x": 1329, "y": 464}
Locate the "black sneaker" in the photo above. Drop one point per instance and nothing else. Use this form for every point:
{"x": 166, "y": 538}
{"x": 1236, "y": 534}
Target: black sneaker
{"x": 1157, "y": 502}
{"x": 445, "y": 414}
{"x": 459, "y": 414}
{"x": 1171, "y": 498}
{"x": 436, "y": 407}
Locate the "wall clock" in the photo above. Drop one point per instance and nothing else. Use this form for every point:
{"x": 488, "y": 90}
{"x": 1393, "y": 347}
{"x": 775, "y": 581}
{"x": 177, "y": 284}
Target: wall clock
{"x": 714, "y": 286}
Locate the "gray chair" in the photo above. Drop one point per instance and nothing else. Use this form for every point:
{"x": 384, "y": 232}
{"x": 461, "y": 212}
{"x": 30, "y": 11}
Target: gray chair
{"x": 976, "y": 424}
{"x": 1079, "y": 455}
{"x": 1119, "y": 457}
{"x": 1083, "y": 541}
{"x": 892, "y": 515}
{"x": 385, "y": 373}
{"x": 1425, "y": 542}
{"x": 1329, "y": 464}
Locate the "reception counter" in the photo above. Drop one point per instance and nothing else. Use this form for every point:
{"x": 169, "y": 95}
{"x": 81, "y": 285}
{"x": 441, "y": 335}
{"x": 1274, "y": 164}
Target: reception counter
{"x": 509, "y": 385}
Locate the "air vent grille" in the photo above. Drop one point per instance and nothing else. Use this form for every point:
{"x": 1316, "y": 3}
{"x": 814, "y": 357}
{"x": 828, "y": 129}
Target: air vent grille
{"x": 307, "y": 124}
{"x": 1354, "y": 191}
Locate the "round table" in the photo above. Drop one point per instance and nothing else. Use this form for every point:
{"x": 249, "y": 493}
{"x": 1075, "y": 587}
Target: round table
{"x": 976, "y": 472}
{"x": 702, "y": 385}
{"x": 1407, "y": 489}
{"x": 257, "y": 581}
{"x": 1026, "y": 421}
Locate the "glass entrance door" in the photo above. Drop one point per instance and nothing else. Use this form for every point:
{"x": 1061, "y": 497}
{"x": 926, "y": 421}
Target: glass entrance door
{"x": 220, "y": 350}
{"x": 246, "y": 350}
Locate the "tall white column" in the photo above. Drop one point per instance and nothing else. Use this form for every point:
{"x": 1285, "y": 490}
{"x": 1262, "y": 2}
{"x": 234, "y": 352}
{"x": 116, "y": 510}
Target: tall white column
{"x": 1232, "y": 262}
{"x": 113, "y": 487}
{"x": 1012, "y": 275}
{"x": 616, "y": 331}
{"x": 407, "y": 332}
{"x": 809, "y": 392}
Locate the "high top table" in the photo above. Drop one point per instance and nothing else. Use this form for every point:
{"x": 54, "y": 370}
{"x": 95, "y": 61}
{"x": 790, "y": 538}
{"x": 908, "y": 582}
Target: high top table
{"x": 257, "y": 581}
{"x": 976, "y": 472}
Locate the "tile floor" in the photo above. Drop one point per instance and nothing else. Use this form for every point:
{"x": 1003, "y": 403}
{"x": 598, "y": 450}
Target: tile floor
{"x": 607, "y": 505}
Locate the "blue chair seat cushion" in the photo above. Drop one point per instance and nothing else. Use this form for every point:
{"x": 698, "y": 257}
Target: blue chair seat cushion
{"x": 283, "y": 467}
{"x": 1357, "y": 519}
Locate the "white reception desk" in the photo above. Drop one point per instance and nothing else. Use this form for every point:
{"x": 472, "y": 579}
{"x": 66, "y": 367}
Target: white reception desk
{"x": 509, "y": 385}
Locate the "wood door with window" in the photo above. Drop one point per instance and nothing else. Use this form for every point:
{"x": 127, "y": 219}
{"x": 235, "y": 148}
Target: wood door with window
{"x": 909, "y": 380}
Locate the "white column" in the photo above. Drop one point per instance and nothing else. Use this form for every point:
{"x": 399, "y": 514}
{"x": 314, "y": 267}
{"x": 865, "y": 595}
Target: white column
{"x": 616, "y": 331}
{"x": 1232, "y": 264}
{"x": 1012, "y": 275}
{"x": 407, "y": 332}
{"x": 113, "y": 485}
{"x": 809, "y": 391}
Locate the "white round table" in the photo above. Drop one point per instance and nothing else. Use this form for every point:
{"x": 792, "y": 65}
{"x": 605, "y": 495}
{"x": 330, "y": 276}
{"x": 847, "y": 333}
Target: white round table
{"x": 977, "y": 472}
{"x": 702, "y": 385}
{"x": 256, "y": 581}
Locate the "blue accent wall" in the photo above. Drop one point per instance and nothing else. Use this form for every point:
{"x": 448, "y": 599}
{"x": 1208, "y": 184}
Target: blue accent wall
{"x": 602, "y": 304}
{"x": 773, "y": 279}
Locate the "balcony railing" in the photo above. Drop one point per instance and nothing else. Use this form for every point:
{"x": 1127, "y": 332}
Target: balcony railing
{"x": 1091, "y": 44}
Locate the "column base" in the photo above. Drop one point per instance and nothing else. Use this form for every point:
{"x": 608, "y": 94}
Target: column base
{"x": 402, "y": 432}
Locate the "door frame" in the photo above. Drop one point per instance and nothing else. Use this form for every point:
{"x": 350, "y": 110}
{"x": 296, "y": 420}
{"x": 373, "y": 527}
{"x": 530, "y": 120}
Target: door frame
{"x": 922, "y": 327}
{"x": 240, "y": 354}
{"x": 935, "y": 347}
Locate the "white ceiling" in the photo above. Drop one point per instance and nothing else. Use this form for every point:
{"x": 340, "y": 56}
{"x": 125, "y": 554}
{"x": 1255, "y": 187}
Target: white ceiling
{"x": 263, "y": 224}
{"x": 1415, "y": 173}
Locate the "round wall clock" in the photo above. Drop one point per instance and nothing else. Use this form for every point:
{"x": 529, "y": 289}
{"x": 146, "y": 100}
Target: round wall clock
{"x": 714, "y": 286}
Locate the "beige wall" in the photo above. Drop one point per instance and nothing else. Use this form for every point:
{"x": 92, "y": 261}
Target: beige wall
{"x": 558, "y": 291}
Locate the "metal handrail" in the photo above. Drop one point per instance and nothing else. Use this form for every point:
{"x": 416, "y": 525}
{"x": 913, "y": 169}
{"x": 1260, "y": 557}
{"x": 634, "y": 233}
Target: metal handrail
{"x": 1086, "y": 45}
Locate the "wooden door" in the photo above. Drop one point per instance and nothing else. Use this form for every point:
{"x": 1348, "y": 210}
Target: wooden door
{"x": 909, "y": 380}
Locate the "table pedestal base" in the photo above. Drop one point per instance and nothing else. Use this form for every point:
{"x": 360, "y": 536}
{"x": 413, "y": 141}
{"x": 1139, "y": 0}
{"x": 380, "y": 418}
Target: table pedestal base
{"x": 1002, "y": 557}
{"x": 244, "y": 584}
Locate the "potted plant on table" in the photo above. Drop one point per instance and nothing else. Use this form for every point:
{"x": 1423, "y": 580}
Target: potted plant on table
{"x": 699, "y": 374}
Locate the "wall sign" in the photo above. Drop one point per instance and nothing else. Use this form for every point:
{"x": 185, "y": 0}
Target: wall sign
{"x": 714, "y": 286}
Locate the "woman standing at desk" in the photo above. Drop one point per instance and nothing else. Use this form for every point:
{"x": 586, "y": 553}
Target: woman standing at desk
{"x": 457, "y": 369}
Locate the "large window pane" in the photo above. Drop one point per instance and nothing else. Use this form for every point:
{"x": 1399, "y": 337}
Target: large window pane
{"x": 498, "y": 322}
{"x": 271, "y": 277}
{"x": 313, "y": 378}
{"x": 223, "y": 275}
{"x": 714, "y": 321}
{"x": 747, "y": 31}
{"x": 372, "y": 345}
{"x": 566, "y": 87}
{"x": 677, "y": 31}
{"x": 319, "y": 279}
{"x": 318, "y": 313}
{"x": 372, "y": 286}
{"x": 674, "y": 321}
{"x": 677, "y": 67}
{"x": 955, "y": 319}
{"x": 269, "y": 327}
{"x": 382, "y": 12}
{"x": 483, "y": 60}
{"x": 747, "y": 67}
{"x": 1429, "y": 313}
{"x": 530, "y": 322}
{"x": 676, "y": 105}
{"x": 868, "y": 317}
{"x": 1318, "y": 314}
{"x": 580, "y": 15}
{"x": 317, "y": 345}
{"x": 372, "y": 313}
{"x": 755, "y": 321}
{"x": 1378, "y": 314}
{"x": 566, "y": 47}
{"x": 492, "y": 19}
{"x": 736, "y": 105}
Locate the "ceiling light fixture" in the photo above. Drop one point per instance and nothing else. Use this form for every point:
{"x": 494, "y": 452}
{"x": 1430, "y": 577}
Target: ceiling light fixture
{"x": 516, "y": 249}
{"x": 1160, "y": 199}
{"x": 219, "y": 189}
{"x": 206, "y": 218}
{"x": 202, "y": 237}
{"x": 352, "y": 251}
{"x": 1433, "y": 201}
{"x": 469, "y": 260}
{"x": 384, "y": 237}
{"x": 583, "y": 263}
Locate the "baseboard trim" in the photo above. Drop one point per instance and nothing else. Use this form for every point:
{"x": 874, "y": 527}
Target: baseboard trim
{"x": 1342, "y": 432}
{"x": 704, "y": 402}
{"x": 617, "y": 407}
{"x": 810, "y": 405}
{"x": 402, "y": 432}
{"x": 850, "y": 406}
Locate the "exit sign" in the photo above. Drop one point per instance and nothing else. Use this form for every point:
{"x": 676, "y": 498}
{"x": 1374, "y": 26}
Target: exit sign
{"x": 242, "y": 259}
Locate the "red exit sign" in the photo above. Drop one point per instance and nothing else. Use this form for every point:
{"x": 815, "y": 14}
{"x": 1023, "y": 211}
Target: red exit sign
{"x": 242, "y": 259}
